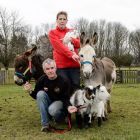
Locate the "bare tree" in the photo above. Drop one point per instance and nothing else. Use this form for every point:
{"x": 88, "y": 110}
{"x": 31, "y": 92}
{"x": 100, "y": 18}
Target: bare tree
{"x": 108, "y": 42}
{"x": 120, "y": 35}
{"x": 42, "y": 40}
{"x": 93, "y": 27}
{"x": 82, "y": 25}
{"x": 44, "y": 46}
{"x": 101, "y": 34}
{"x": 134, "y": 42}
{"x": 10, "y": 31}
{"x": 41, "y": 31}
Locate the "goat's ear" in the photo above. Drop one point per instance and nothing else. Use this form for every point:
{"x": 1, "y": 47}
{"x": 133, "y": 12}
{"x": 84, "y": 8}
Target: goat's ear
{"x": 94, "y": 90}
{"x": 98, "y": 86}
{"x": 86, "y": 88}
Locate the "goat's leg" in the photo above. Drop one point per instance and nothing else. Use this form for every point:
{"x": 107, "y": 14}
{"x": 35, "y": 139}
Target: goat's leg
{"x": 90, "y": 118}
{"x": 86, "y": 120}
{"x": 100, "y": 112}
{"x": 104, "y": 113}
{"x": 99, "y": 121}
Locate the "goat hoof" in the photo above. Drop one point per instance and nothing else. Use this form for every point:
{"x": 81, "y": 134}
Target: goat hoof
{"x": 99, "y": 124}
{"x": 99, "y": 121}
{"x": 104, "y": 118}
{"x": 86, "y": 126}
{"x": 89, "y": 124}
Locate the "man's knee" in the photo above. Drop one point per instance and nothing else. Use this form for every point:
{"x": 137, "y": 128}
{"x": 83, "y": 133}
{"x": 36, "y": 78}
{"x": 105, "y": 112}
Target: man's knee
{"x": 55, "y": 108}
{"x": 41, "y": 95}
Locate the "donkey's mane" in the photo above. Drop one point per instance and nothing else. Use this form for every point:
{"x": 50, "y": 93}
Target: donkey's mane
{"x": 37, "y": 65}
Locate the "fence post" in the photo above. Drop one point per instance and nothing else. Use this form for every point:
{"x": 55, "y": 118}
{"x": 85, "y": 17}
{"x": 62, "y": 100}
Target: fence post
{"x": 119, "y": 76}
{"x": 138, "y": 76}
{"x": 2, "y": 77}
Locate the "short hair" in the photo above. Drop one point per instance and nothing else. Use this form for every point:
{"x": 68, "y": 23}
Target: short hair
{"x": 62, "y": 13}
{"x": 48, "y": 61}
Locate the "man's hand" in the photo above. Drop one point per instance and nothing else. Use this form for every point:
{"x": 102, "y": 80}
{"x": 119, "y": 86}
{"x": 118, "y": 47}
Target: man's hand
{"x": 28, "y": 87}
{"x": 72, "y": 109}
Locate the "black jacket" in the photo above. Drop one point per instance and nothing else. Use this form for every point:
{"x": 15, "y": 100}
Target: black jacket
{"x": 57, "y": 89}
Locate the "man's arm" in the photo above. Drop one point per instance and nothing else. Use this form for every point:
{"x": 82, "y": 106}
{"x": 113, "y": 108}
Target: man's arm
{"x": 29, "y": 89}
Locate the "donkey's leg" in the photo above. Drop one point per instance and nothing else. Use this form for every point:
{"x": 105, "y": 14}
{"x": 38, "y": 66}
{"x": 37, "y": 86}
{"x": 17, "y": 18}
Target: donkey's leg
{"x": 109, "y": 109}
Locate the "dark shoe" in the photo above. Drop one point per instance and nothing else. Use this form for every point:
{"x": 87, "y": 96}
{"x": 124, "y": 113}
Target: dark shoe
{"x": 45, "y": 128}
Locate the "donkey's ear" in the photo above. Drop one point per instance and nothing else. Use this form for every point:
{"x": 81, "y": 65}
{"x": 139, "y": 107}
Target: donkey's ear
{"x": 31, "y": 51}
{"x": 94, "y": 60}
{"x": 82, "y": 36}
{"x": 27, "y": 53}
{"x": 34, "y": 48}
{"x": 94, "y": 38}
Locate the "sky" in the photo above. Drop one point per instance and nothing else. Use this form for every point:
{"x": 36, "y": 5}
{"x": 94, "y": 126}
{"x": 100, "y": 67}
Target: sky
{"x": 37, "y": 12}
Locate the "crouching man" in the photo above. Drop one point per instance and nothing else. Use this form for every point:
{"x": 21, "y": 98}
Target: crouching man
{"x": 52, "y": 95}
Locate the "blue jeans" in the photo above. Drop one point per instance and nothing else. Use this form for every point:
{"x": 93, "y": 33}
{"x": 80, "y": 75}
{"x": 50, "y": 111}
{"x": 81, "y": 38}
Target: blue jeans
{"x": 48, "y": 108}
{"x": 72, "y": 75}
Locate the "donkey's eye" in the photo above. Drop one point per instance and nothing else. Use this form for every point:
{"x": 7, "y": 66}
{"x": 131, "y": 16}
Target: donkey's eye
{"x": 20, "y": 68}
{"x": 94, "y": 56}
{"x": 81, "y": 55}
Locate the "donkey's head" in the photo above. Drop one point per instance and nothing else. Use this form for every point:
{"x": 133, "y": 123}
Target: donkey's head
{"x": 85, "y": 39}
{"x": 23, "y": 66}
{"x": 87, "y": 54}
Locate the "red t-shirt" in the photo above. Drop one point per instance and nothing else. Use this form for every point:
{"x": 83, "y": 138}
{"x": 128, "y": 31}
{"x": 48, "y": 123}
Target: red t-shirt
{"x": 61, "y": 53}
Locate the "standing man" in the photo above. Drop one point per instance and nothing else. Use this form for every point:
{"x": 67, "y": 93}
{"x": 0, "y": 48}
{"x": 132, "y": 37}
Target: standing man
{"x": 67, "y": 61}
{"x": 51, "y": 92}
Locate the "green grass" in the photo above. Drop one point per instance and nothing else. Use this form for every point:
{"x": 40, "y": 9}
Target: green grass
{"x": 20, "y": 120}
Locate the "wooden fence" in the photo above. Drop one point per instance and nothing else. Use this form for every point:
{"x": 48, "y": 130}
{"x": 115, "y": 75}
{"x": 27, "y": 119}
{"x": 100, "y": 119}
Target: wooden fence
{"x": 123, "y": 76}
{"x": 6, "y": 77}
{"x": 128, "y": 76}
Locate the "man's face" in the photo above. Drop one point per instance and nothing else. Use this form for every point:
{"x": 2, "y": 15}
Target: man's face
{"x": 50, "y": 70}
{"x": 62, "y": 21}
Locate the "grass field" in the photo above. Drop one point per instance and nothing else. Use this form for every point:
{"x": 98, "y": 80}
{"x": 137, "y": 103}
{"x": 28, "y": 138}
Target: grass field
{"x": 20, "y": 120}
